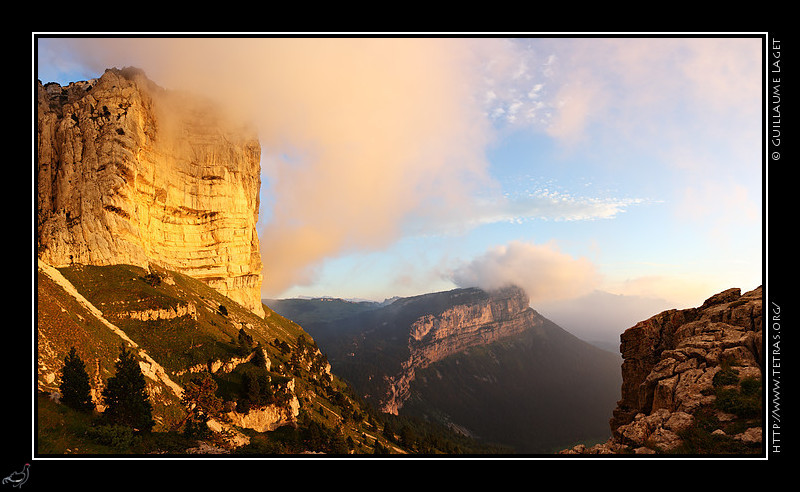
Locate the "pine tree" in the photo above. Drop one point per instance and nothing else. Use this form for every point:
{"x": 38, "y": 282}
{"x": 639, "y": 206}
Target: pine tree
{"x": 259, "y": 359}
{"x": 125, "y": 395}
{"x": 245, "y": 341}
{"x": 75, "y": 388}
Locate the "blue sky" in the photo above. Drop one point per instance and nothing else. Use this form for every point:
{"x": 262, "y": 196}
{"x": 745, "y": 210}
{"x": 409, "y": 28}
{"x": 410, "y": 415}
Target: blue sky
{"x": 566, "y": 165}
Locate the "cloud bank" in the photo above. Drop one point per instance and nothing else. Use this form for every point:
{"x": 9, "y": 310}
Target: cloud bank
{"x": 366, "y": 140}
{"x": 362, "y": 139}
{"x": 545, "y": 273}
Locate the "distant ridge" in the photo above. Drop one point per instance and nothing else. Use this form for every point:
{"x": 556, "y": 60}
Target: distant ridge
{"x": 484, "y": 363}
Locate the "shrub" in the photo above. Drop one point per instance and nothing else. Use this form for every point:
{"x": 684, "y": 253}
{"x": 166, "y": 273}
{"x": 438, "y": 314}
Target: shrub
{"x": 119, "y": 437}
{"x": 153, "y": 279}
{"x": 725, "y": 376}
{"x": 262, "y": 445}
{"x": 245, "y": 342}
{"x": 750, "y": 386}
{"x": 196, "y": 430}
{"x": 202, "y": 404}
{"x": 738, "y": 403}
{"x": 259, "y": 359}
{"x": 256, "y": 390}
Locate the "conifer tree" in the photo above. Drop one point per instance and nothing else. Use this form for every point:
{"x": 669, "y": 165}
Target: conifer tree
{"x": 125, "y": 395}
{"x": 245, "y": 341}
{"x": 75, "y": 388}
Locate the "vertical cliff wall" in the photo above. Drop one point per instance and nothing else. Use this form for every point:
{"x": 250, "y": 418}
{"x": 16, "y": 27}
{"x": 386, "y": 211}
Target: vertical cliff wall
{"x": 129, "y": 173}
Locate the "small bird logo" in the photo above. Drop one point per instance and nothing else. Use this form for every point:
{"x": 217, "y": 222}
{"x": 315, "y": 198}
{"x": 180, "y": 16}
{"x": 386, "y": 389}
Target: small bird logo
{"x": 18, "y": 478}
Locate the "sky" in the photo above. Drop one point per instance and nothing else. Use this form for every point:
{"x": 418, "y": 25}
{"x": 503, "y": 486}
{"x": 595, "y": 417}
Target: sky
{"x": 569, "y": 165}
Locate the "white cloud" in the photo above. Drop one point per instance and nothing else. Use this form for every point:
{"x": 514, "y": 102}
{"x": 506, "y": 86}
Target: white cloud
{"x": 627, "y": 85}
{"x": 545, "y": 273}
{"x": 550, "y": 205}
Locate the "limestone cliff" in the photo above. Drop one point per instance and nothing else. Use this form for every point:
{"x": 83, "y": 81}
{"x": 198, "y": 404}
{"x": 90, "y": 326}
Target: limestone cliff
{"x": 130, "y": 173}
{"x": 692, "y": 381}
{"x": 484, "y": 364}
{"x": 474, "y": 318}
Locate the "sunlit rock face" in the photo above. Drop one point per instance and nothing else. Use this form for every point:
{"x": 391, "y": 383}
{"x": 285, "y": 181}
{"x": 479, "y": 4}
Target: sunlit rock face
{"x": 677, "y": 364}
{"x": 129, "y": 173}
{"x": 671, "y": 358}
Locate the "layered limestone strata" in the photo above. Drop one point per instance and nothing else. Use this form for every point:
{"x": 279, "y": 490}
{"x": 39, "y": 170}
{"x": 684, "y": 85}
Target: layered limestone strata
{"x": 673, "y": 366}
{"x": 436, "y": 336}
{"x": 480, "y": 321}
{"x": 129, "y": 173}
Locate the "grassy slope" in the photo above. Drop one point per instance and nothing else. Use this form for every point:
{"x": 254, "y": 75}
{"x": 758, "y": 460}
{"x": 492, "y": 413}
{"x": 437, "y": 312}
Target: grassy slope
{"x": 61, "y": 323}
{"x": 212, "y": 334}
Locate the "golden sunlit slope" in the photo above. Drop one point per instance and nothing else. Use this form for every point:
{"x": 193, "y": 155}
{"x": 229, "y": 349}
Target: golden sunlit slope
{"x": 181, "y": 328}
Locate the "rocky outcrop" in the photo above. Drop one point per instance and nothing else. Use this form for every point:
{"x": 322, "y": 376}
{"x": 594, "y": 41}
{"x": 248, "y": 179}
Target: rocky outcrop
{"x": 476, "y": 319}
{"x": 171, "y": 312}
{"x": 681, "y": 366}
{"x": 225, "y": 367}
{"x": 266, "y": 418}
{"x": 129, "y": 173}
